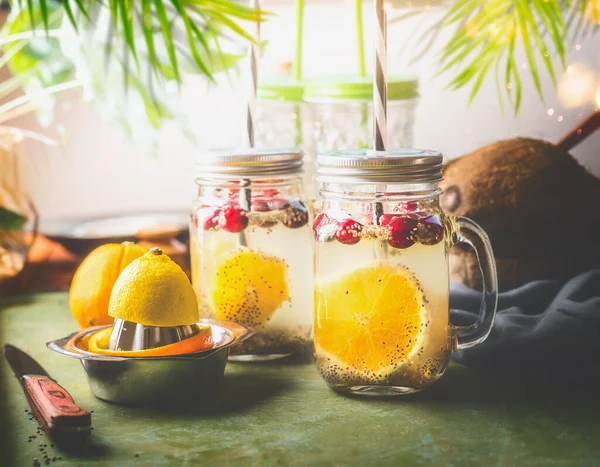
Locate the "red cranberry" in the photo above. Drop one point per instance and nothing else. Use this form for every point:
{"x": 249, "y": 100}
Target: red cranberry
{"x": 430, "y": 230}
{"x": 324, "y": 228}
{"x": 233, "y": 194}
{"x": 410, "y": 206}
{"x": 209, "y": 217}
{"x": 270, "y": 192}
{"x": 348, "y": 231}
{"x": 260, "y": 205}
{"x": 321, "y": 219}
{"x": 276, "y": 204}
{"x": 233, "y": 218}
{"x": 265, "y": 204}
{"x": 401, "y": 231}
{"x": 294, "y": 214}
{"x": 386, "y": 219}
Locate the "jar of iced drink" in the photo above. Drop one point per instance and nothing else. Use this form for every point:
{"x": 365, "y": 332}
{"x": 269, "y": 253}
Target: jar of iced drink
{"x": 251, "y": 251}
{"x": 381, "y": 273}
{"x": 344, "y": 111}
{"x": 285, "y": 119}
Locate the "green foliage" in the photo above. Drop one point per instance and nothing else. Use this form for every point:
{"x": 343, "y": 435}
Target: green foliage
{"x": 485, "y": 35}
{"x": 148, "y": 43}
{"x": 10, "y": 220}
{"x": 158, "y": 21}
{"x": 40, "y": 57}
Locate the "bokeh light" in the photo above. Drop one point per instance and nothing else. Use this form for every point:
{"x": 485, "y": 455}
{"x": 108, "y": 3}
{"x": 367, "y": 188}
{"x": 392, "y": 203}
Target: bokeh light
{"x": 577, "y": 86}
{"x": 592, "y": 11}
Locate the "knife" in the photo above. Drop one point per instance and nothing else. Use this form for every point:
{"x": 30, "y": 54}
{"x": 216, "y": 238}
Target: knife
{"x": 52, "y": 405}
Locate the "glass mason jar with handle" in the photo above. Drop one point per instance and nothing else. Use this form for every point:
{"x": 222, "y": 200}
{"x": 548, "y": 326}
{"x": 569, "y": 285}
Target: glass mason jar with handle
{"x": 251, "y": 251}
{"x": 381, "y": 293}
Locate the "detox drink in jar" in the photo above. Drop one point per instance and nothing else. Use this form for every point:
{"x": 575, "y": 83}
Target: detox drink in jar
{"x": 381, "y": 273}
{"x": 285, "y": 119}
{"x": 343, "y": 112}
{"x": 251, "y": 251}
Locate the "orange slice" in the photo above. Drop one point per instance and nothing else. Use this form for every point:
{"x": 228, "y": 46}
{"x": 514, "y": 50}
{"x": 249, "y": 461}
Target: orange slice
{"x": 98, "y": 343}
{"x": 370, "y": 319}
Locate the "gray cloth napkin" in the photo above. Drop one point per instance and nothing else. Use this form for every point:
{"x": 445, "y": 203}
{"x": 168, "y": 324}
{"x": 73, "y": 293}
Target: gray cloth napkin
{"x": 543, "y": 329}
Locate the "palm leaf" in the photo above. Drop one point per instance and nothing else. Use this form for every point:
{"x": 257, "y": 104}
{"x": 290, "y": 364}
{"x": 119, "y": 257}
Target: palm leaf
{"x": 44, "y": 11}
{"x": 537, "y": 35}
{"x": 484, "y": 35}
{"x": 82, "y": 9}
{"x": 193, "y": 32}
{"x": 148, "y": 25}
{"x": 230, "y": 24}
{"x": 70, "y": 14}
{"x": 167, "y": 36}
{"x": 31, "y": 17}
{"x": 126, "y": 8}
{"x": 555, "y": 26}
{"x": 522, "y": 25}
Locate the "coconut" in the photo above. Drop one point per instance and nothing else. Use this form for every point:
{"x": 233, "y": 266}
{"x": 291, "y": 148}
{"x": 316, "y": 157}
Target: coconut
{"x": 538, "y": 205}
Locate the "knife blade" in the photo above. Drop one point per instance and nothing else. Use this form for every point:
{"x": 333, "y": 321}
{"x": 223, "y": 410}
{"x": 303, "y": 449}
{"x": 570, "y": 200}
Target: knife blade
{"x": 52, "y": 405}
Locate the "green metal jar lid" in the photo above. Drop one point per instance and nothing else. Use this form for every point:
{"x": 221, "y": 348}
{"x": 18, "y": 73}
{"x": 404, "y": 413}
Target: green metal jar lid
{"x": 281, "y": 90}
{"x": 399, "y": 87}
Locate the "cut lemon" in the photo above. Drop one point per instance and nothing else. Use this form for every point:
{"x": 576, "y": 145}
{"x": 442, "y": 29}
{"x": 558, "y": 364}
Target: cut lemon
{"x": 248, "y": 287}
{"x": 98, "y": 343}
{"x": 370, "y": 319}
{"x": 154, "y": 291}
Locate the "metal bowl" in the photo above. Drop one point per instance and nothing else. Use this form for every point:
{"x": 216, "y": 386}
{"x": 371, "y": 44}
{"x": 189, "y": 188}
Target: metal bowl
{"x": 155, "y": 380}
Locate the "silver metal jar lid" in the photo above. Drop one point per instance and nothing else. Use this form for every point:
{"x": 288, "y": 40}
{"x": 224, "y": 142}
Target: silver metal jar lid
{"x": 369, "y": 166}
{"x": 248, "y": 163}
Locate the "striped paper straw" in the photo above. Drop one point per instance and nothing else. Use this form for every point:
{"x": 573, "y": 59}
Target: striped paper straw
{"x": 380, "y": 79}
{"x": 245, "y": 197}
{"x": 253, "y": 76}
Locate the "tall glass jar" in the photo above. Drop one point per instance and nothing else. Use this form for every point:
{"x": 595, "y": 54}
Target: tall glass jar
{"x": 284, "y": 119}
{"x": 381, "y": 273}
{"x": 251, "y": 252}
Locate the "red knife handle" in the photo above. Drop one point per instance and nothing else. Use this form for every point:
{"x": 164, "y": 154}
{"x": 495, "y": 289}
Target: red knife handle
{"x": 54, "y": 407}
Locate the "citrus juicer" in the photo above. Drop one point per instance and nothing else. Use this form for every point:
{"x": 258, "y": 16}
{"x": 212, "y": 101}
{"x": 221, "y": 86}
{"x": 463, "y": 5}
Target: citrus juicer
{"x": 130, "y": 336}
{"x": 157, "y": 379}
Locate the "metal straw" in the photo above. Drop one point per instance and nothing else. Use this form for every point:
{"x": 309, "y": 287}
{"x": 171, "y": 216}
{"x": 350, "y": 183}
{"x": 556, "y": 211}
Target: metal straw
{"x": 380, "y": 98}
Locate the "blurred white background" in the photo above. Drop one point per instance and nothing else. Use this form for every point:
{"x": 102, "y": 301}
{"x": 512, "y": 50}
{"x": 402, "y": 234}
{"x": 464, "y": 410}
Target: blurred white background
{"x": 97, "y": 171}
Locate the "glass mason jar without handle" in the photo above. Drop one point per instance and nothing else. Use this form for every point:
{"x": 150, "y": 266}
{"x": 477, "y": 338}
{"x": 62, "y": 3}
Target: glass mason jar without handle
{"x": 251, "y": 252}
{"x": 284, "y": 119}
{"x": 381, "y": 273}
{"x": 344, "y": 111}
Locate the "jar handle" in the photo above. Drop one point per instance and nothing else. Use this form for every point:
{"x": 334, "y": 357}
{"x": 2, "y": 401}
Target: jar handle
{"x": 466, "y": 231}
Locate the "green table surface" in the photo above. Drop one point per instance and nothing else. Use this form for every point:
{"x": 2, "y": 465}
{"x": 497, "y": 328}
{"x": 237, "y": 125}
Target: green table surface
{"x": 283, "y": 414}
